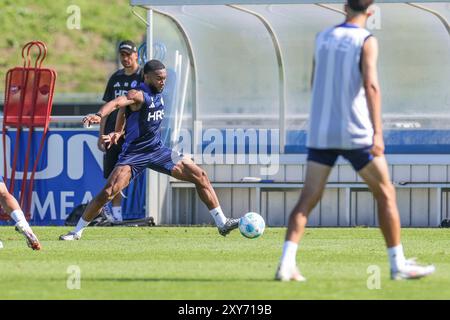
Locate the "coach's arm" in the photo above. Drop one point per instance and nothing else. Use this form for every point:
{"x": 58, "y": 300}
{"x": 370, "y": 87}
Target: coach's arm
{"x": 373, "y": 93}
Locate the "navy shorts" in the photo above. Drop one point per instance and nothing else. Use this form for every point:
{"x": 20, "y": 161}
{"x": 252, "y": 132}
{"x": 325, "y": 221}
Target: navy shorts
{"x": 358, "y": 158}
{"x": 162, "y": 160}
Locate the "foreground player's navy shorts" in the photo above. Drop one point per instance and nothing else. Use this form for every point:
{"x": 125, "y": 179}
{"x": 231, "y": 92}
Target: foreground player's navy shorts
{"x": 358, "y": 158}
{"x": 162, "y": 160}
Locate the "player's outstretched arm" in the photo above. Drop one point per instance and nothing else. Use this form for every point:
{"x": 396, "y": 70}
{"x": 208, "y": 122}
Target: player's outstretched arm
{"x": 101, "y": 132}
{"x": 120, "y": 122}
{"x": 138, "y": 97}
{"x": 106, "y": 109}
{"x": 373, "y": 93}
{"x": 120, "y": 127}
{"x": 113, "y": 138}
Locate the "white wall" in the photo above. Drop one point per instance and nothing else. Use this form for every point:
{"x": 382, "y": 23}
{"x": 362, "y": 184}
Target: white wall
{"x": 423, "y": 195}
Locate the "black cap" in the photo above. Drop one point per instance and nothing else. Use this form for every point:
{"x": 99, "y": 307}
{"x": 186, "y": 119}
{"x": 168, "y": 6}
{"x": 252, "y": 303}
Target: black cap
{"x": 127, "y": 46}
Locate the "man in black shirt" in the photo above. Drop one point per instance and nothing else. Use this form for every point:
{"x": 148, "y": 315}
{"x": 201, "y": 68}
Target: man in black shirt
{"x": 119, "y": 84}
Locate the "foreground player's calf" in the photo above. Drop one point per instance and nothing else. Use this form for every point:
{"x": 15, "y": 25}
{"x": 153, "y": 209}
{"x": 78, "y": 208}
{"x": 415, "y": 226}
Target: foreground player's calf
{"x": 12, "y": 208}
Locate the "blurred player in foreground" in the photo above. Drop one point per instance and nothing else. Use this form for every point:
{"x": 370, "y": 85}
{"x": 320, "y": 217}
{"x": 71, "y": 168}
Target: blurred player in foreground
{"x": 345, "y": 120}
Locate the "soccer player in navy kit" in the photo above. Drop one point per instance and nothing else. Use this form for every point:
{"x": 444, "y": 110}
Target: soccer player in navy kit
{"x": 142, "y": 111}
{"x": 118, "y": 85}
{"x": 345, "y": 120}
{"x": 12, "y": 208}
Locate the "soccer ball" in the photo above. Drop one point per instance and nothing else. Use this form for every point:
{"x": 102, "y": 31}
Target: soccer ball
{"x": 251, "y": 225}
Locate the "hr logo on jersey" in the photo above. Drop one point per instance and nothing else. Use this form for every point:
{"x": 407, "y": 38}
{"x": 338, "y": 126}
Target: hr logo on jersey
{"x": 119, "y": 93}
{"x": 155, "y": 116}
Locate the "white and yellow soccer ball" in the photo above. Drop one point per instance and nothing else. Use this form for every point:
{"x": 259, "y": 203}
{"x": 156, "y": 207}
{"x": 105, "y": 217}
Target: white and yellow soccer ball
{"x": 252, "y": 225}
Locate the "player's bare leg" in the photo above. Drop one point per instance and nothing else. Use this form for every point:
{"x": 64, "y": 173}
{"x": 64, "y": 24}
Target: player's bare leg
{"x": 187, "y": 170}
{"x": 117, "y": 181}
{"x": 376, "y": 175}
{"x": 12, "y": 208}
{"x": 314, "y": 184}
{"x": 316, "y": 178}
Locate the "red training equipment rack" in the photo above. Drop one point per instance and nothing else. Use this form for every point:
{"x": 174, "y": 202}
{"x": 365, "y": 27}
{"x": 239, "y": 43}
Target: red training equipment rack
{"x": 28, "y": 104}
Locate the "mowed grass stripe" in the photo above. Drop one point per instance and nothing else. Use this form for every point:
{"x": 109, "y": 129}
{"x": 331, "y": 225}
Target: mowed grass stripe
{"x": 197, "y": 263}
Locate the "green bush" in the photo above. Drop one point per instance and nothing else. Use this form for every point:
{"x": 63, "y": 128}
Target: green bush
{"x": 83, "y": 59}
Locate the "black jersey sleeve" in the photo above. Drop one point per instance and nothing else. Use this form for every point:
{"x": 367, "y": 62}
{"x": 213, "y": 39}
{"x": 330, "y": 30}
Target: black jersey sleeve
{"x": 109, "y": 91}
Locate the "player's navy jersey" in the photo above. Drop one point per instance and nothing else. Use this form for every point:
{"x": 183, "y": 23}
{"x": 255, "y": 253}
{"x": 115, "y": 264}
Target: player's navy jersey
{"x": 142, "y": 130}
{"x": 118, "y": 85}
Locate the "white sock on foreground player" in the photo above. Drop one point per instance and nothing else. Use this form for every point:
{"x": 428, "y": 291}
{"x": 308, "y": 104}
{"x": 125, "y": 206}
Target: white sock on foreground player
{"x": 396, "y": 256}
{"x": 24, "y": 228}
{"x": 401, "y": 268}
{"x": 19, "y": 217}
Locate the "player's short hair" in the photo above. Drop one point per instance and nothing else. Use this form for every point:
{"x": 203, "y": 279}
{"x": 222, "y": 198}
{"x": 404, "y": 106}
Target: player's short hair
{"x": 153, "y": 65}
{"x": 359, "y": 5}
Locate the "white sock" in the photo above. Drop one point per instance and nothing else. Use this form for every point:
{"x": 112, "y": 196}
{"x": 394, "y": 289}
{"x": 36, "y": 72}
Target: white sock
{"x": 288, "y": 257}
{"x": 396, "y": 257}
{"x": 18, "y": 216}
{"x": 219, "y": 217}
{"x": 117, "y": 213}
{"x": 80, "y": 226}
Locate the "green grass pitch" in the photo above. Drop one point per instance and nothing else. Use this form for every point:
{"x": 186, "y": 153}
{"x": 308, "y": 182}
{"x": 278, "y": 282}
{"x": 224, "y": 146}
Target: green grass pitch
{"x": 197, "y": 263}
